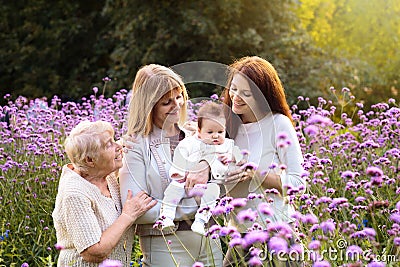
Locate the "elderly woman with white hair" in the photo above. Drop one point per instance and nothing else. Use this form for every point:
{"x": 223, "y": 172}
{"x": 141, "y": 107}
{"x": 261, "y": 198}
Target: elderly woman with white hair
{"x": 91, "y": 224}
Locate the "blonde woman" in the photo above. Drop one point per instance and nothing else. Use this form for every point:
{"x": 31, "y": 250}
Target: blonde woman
{"x": 156, "y": 111}
{"x": 90, "y": 223}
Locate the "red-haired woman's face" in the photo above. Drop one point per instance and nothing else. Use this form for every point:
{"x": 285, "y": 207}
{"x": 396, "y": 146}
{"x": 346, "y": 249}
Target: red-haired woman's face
{"x": 243, "y": 101}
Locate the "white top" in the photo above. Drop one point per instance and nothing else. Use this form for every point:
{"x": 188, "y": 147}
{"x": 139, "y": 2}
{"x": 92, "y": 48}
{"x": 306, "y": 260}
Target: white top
{"x": 261, "y": 140}
{"x": 82, "y": 214}
{"x": 191, "y": 150}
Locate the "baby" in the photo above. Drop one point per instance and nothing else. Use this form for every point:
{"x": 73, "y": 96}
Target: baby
{"x": 209, "y": 144}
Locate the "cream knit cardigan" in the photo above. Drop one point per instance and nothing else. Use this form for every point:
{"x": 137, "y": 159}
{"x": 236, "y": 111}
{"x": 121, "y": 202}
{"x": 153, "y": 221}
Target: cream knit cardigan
{"x": 80, "y": 216}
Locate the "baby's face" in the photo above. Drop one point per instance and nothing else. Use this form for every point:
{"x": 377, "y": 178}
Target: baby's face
{"x": 212, "y": 131}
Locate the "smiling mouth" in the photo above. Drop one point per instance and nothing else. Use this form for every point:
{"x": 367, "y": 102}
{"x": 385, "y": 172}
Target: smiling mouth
{"x": 239, "y": 104}
{"x": 119, "y": 156}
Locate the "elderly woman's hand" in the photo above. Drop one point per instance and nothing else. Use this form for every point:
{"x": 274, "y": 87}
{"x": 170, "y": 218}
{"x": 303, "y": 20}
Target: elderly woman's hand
{"x": 190, "y": 127}
{"x": 198, "y": 175}
{"x": 127, "y": 142}
{"x": 136, "y": 206}
{"x": 133, "y": 208}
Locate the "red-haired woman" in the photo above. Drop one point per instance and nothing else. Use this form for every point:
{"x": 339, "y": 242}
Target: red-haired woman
{"x": 264, "y": 127}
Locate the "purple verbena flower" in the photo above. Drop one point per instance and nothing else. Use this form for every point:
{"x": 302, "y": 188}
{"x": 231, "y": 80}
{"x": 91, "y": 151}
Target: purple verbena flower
{"x": 348, "y": 175}
{"x": 327, "y": 226}
{"x": 311, "y": 130}
{"x": 282, "y": 135}
{"x": 245, "y": 152}
{"x": 239, "y": 202}
{"x": 214, "y": 97}
{"x": 354, "y": 252}
{"x": 111, "y": 263}
{"x": 255, "y": 261}
{"x": 198, "y": 190}
{"x": 237, "y": 241}
{"x": 58, "y": 246}
{"x": 320, "y": 120}
{"x": 226, "y": 230}
{"x": 297, "y": 249}
{"x": 247, "y": 215}
{"x": 310, "y": 219}
{"x": 374, "y": 171}
{"x": 218, "y": 210}
{"x": 255, "y": 237}
{"x": 321, "y": 264}
{"x": 265, "y": 208}
{"x": 249, "y": 165}
{"x": 359, "y": 199}
{"x": 314, "y": 245}
{"x": 395, "y": 217}
{"x": 281, "y": 228}
{"x": 376, "y": 264}
{"x": 277, "y": 244}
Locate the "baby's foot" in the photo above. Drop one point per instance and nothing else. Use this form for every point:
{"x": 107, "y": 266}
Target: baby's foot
{"x": 167, "y": 223}
{"x": 198, "y": 227}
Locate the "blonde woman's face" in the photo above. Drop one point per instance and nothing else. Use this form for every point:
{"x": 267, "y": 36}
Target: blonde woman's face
{"x": 167, "y": 110}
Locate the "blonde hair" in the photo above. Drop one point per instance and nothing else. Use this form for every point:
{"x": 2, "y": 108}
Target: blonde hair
{"x": 85, "y": 141}
{"x": 151, "y": 83}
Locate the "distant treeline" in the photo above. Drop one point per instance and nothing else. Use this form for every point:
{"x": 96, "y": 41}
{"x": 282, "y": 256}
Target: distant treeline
{"x": 66, "y": 48}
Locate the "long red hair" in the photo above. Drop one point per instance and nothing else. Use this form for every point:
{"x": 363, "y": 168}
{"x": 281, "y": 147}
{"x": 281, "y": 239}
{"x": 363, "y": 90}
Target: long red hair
{"x": 262, "y": 78}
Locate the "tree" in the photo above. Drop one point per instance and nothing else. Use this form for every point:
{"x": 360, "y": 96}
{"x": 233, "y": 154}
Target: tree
{"x": 367, "y": 33}
{"x": 175, "y": 32}
{"x": 47, "y": 47}
{"x": 65, "y": 48}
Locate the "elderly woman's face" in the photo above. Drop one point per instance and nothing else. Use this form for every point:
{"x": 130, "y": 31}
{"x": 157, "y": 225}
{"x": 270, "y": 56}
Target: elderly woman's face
{"x": 110, "y": 154}
{"x": 167, "y": 109}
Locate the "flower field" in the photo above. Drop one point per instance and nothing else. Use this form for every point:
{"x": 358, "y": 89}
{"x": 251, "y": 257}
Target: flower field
{"x": 348, "y": 216}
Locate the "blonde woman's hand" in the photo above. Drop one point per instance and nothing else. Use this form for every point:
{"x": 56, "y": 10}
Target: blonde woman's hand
{"x": 136, "y": 206}
{"x": 198, "y": 175}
